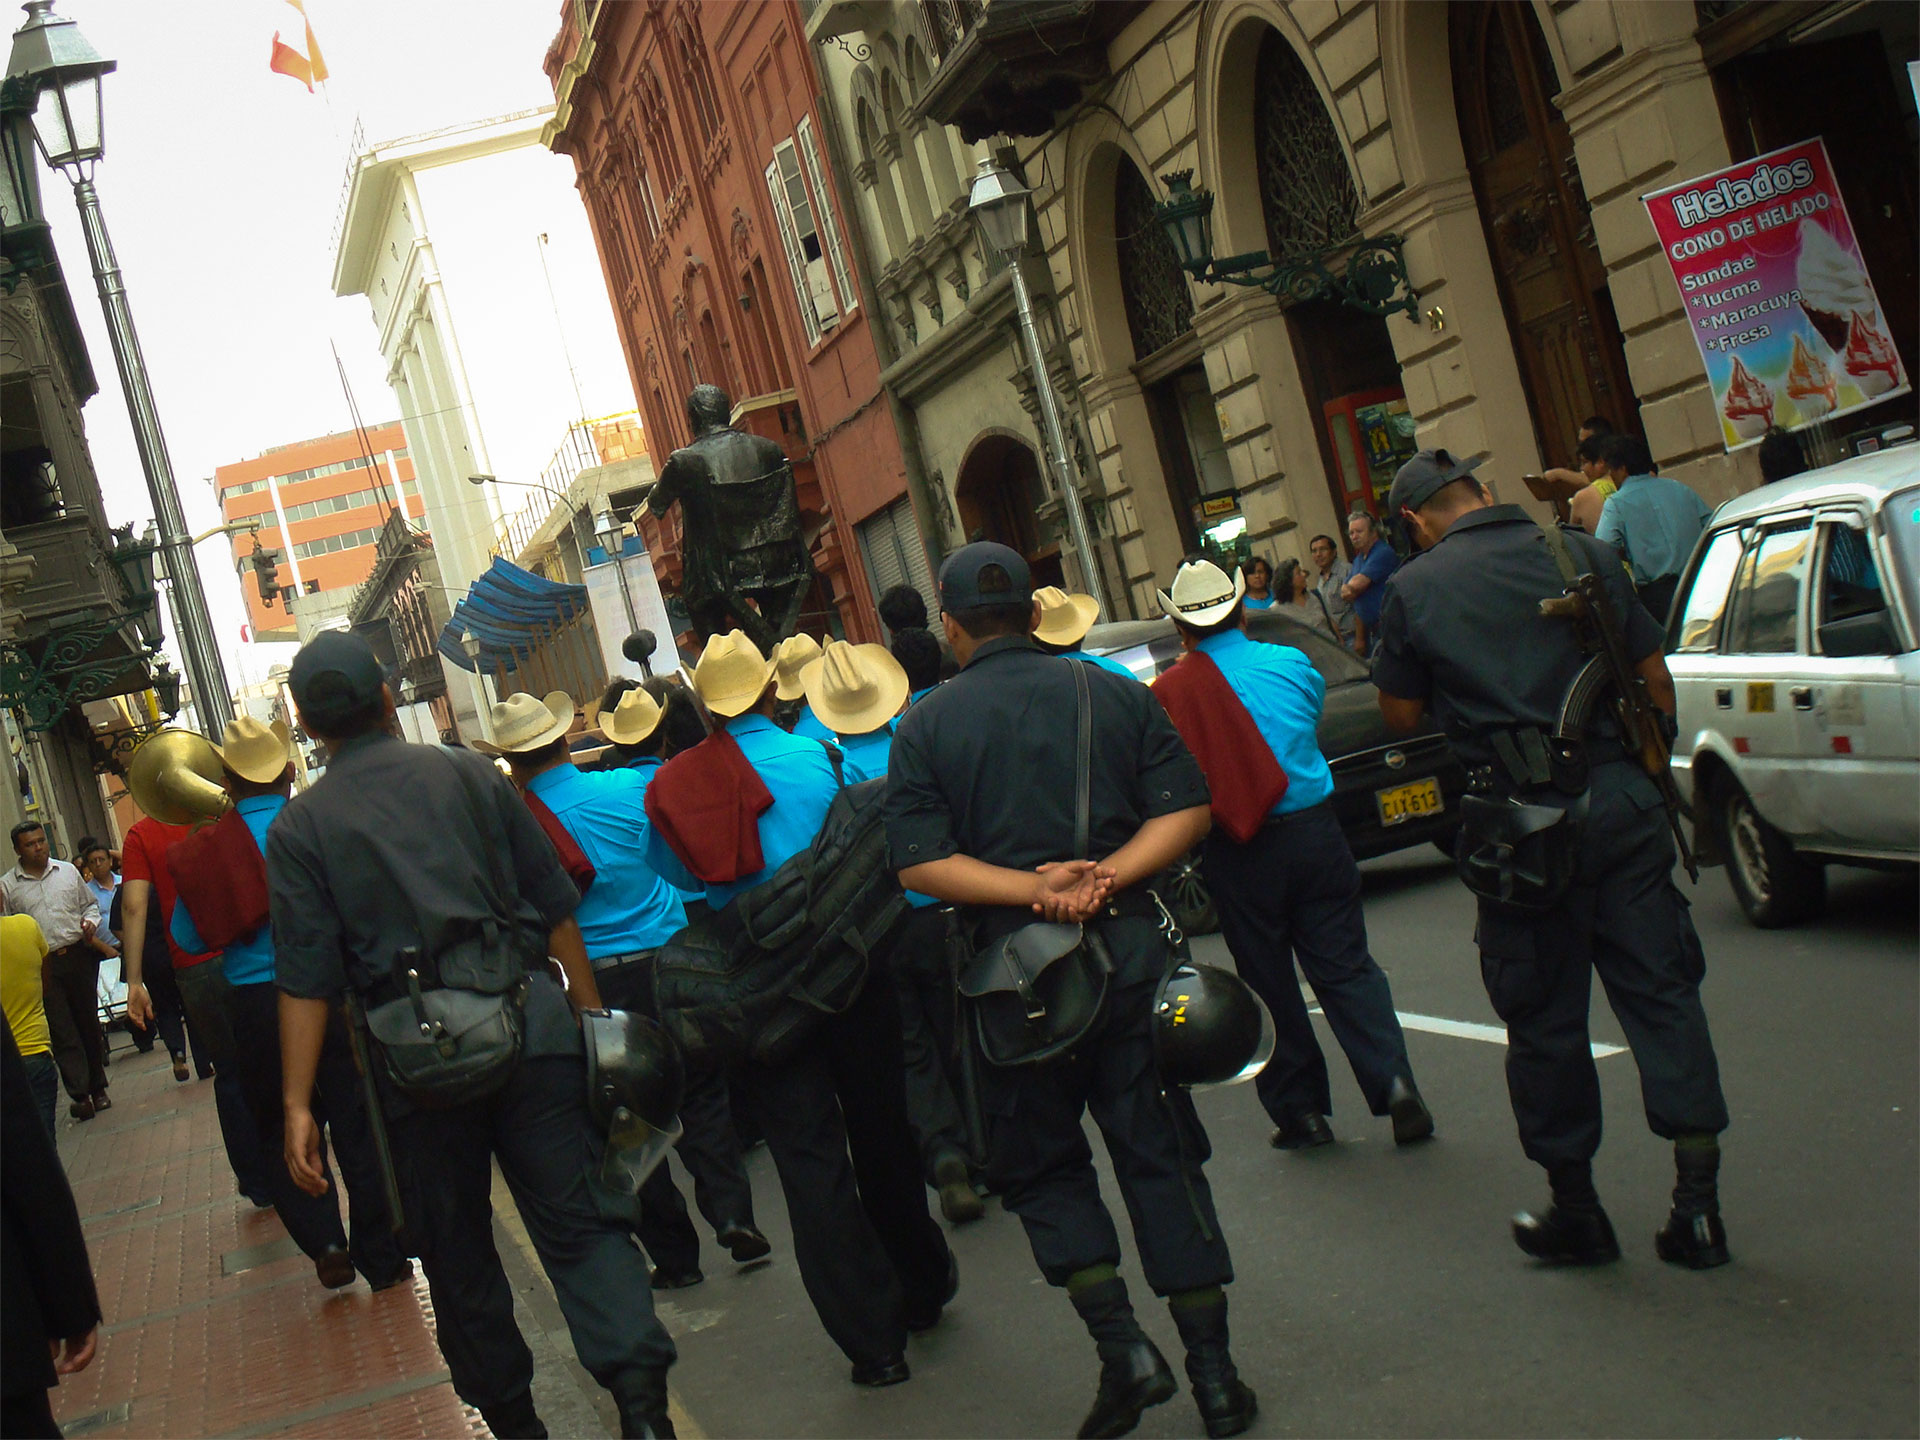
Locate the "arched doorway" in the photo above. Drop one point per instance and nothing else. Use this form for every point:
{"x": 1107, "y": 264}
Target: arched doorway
{"x": 1345, "y": 356}
{"x": 1000, "y": 494}
{"x": 1553, "y": 283}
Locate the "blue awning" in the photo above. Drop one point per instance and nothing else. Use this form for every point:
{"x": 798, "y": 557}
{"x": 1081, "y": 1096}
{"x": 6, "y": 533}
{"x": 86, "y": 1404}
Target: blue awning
{"x": 511, "y": 610}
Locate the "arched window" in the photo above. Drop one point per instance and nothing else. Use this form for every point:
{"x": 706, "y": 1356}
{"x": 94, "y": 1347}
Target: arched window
{"x": 1159, "y": 304}
{"x": 1306, "y": 189}
{"x": 699, "y": 76}
{"x": 659, "y": 139}
{"x": 646, "y": 205}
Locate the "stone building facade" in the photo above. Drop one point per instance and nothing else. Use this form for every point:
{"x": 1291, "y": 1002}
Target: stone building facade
{"x": 1506, "y": 145}
{"x": 702, "y": 160}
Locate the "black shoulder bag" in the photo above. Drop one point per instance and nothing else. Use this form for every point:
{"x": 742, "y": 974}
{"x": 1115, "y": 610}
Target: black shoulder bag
{"x": 455, "y": 1031}
{"x": 1041, "y": 990}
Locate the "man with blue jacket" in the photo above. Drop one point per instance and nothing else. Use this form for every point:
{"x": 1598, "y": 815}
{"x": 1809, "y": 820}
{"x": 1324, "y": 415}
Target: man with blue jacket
{"x": 625, "y": 916}
{"x": 1277, "y": 863}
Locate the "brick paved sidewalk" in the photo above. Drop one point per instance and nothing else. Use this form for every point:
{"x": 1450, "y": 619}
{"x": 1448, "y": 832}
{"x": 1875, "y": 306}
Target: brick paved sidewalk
{"x": 215, "y": 1324}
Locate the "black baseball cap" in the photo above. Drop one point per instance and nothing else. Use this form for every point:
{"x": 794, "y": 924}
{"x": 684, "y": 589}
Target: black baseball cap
{"x": 335, "y": 676}
{"x": 1416, "y": 481}
{"x": 984, "y": 573}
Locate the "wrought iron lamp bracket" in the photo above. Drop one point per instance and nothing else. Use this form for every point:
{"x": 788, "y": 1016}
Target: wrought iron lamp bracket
{"x": 1366, "y": 272}
{"x": 63, "y": 675}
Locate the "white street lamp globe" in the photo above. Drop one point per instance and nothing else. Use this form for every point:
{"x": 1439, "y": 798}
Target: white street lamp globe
{"x": 998, "y": 203}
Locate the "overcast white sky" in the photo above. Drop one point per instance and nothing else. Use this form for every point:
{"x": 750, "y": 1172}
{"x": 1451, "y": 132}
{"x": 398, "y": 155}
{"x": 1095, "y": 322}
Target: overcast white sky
{"x": 220, "y": 185}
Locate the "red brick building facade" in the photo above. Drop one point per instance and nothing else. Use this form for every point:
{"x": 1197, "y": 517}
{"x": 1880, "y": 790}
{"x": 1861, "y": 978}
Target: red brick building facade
{"x": 704, "y": 165}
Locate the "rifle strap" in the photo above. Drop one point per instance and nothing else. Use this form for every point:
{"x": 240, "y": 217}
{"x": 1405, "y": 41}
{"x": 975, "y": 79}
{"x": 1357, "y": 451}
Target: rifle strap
{"x": 1570, "y": 569}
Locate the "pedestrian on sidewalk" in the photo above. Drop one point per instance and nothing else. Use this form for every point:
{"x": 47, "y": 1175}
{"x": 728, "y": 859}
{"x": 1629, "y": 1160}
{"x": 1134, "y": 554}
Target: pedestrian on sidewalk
{"x": 369, "y": 863}
{"x": 1652, "y": 520}
{"x": 1373, "y": 562}
{"x": 1462, "y": 632}
{"x": 158, "y": 972}
{"x": 1329, "y": 582}
{"x": 220, "y": 876}
{"x": 49, "y": 1308}
{"x": 53, "y": 892}
{"x": 857, "y": 690}
{"x": 22, "y": 950}
{"x": 874, "y": 1262}
{"x": 1277, "y": 863}
{"x": 982, "y": 812}
{"x": 626, "y": 914}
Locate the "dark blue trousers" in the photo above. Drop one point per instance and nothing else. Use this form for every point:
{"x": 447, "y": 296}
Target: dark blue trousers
{"x": 1290, "y": 893}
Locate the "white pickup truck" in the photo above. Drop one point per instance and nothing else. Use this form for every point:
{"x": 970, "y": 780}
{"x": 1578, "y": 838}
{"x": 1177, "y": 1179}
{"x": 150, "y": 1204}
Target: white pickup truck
{"x": 1794, "y": 643}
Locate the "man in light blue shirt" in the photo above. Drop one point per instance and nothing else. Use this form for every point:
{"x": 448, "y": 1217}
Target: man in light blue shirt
{"x": 1064, "y": 622}
{"x": 872, "y": 1259}
{"x": 859, "y": 689}
{"x": 625, "y": 916}
{"x": 1651, "y": 520}
{"x": 258, "y": 776}
{"x": 1292, "y": 890}
{"x": 790, "y": 658}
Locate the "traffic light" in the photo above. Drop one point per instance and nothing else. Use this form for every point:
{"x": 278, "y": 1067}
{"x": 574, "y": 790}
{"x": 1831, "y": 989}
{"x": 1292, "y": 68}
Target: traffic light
{"x": 266, "y": 574}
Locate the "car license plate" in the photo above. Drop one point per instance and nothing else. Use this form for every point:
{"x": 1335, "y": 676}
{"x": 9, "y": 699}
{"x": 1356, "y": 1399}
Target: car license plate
{"x": 1408, "y": 802}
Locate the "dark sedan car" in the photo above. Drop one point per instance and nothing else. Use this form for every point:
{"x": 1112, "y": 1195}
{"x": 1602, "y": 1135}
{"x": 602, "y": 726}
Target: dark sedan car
{"x": 1389, "y": 791}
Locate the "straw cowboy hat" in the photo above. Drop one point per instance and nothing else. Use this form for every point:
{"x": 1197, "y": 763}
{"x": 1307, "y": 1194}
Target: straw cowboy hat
{"x": 732, "y": 674}
{"x": 1202, "y": 594}
{"x": 255, "y": 751}
{"x": 1064, "y": 619}
{"x": 855, "y": 688}
{"x": 790, "y": 657}
{"x": 524, "y": 722}
{"x": 633, "y": 720}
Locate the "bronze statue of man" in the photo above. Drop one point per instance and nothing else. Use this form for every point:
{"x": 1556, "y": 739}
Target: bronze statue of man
{"x": 740, "y": 524}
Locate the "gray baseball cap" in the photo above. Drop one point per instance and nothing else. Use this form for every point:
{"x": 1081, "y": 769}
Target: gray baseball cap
{"x": 1416, "y": 481}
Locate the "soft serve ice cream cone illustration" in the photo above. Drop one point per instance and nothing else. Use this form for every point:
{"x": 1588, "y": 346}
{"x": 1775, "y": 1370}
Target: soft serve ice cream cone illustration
{"x": 1749, "y": 404}
{"x": 1833, "y": 287}
{"x": 1870, "y": 359}
{"x": 1810, "y": 382}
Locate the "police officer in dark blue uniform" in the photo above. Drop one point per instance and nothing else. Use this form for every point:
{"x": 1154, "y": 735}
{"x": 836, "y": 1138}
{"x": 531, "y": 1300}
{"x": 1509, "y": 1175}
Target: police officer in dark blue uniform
{"x": 1462, "y": 631}
{"x": 981, "y": 808}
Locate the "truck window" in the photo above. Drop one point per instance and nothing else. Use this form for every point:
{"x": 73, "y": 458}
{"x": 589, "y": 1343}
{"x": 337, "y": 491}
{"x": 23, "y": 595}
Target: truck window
{"x": 1766, "y": 604}
{"x": 1706, "y": 600}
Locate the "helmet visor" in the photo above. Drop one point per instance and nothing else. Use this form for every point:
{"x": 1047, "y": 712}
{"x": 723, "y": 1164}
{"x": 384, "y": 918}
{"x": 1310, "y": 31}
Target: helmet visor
{"x": 1257, "y": 1059}
{"x": 634, "y": 1147}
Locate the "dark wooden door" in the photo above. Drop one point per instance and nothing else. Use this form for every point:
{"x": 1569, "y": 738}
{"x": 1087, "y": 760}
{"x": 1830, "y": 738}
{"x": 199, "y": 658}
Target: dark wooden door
{"x": 1553, "y": 284}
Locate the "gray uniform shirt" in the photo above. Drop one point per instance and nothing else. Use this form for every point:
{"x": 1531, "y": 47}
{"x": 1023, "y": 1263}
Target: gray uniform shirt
{"x": 1461, "y": 628}
{"x": 389, "y": 850}
{"x": 1339, "y": 610}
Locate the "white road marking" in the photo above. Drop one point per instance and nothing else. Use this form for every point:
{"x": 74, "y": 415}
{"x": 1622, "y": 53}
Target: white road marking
{"x": 1469, "y": 1030}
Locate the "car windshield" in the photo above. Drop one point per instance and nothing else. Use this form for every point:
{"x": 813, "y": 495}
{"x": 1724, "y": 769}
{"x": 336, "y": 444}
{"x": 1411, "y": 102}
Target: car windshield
{"x": 1902, "y": 518}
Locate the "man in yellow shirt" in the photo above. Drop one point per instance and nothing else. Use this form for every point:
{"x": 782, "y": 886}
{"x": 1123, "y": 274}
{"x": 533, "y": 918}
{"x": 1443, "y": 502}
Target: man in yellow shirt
{"x": 22, "y": 948}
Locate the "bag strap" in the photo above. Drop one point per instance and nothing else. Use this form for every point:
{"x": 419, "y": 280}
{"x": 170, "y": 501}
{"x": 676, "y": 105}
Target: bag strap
{"x": 1570, "y": 569}
{"x": 1083, "y": 792}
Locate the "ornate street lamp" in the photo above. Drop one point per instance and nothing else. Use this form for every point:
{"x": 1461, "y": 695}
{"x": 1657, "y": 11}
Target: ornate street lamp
{"x": 1365, "y": 272}
{"x": 612, "y": 535}
{"x": 166, "y": 689}
{"x": 998, "y": 204}
{"x": 53, "y": 63}
{"x": 134, "y": 559}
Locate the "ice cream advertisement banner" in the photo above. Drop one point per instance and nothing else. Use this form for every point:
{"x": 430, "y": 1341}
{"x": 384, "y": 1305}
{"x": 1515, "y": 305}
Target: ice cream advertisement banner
{"x": 1781, "y": 305}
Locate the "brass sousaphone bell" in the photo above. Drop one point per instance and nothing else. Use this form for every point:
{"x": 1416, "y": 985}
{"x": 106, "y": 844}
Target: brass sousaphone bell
{"x": 175, "y": 777}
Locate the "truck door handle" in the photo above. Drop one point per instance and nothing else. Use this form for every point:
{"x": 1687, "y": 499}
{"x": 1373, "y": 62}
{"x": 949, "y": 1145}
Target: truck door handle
{"x": 1723, "y": 697}
{"x": 1802, "y": 697}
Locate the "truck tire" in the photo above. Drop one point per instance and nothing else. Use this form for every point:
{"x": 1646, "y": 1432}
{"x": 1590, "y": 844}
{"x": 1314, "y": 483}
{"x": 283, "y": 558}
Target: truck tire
{"x": 1774, "y": 884}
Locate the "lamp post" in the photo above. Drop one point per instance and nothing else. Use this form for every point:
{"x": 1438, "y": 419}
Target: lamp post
{"x": 53, "y": 63}
{"x": 612, "y": 535}
{"x": 999, "y": 207}
{"x": 470, "y": 645}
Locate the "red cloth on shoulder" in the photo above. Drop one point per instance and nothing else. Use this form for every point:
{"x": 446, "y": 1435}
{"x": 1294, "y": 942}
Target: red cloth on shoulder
{"x": 706, "y": 803}
{"x": 573, "y": 859}
{"x": 1246, "y": 781}
{"x": 143, "y": 856}
{"x": 221, "y": 877}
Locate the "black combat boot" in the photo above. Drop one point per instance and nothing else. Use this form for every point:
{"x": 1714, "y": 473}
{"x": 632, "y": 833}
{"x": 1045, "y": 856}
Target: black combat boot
{"x": 1575, "y": 1230}
{"x": 515, "y": 1419}
{"x": 1134, "y": 1375}
{"x": 1227, "y": 1406}
{"x": 1694, "y": 1235}
{"x": 642, "y": 1400}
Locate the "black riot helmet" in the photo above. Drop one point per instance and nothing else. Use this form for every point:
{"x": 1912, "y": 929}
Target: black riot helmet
{"x": 1209, "y": 1028}
{"x": 636, "y": 1080}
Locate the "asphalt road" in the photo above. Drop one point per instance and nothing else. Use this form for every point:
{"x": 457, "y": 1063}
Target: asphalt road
{"x": 1378, "y": 1291}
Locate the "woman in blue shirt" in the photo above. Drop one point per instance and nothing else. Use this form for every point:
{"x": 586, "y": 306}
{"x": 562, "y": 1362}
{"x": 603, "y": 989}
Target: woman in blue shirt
{"x": 1259, "y": 575}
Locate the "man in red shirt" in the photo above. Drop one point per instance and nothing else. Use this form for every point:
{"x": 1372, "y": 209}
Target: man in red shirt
{"x": 147, "y": 884}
